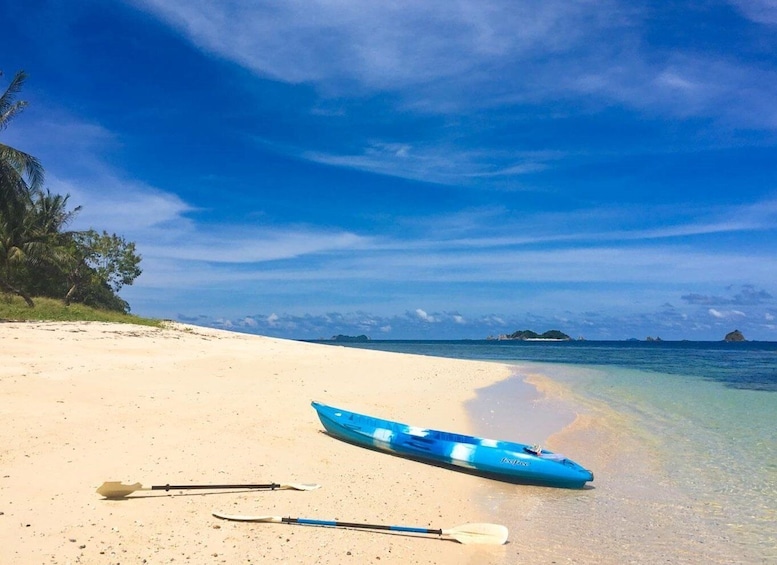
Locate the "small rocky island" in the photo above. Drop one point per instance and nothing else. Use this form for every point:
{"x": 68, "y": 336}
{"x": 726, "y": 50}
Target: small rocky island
{"x": 528, "y": 335}
{"x": 736, "y": 335}
{"x": 340, "y": 338}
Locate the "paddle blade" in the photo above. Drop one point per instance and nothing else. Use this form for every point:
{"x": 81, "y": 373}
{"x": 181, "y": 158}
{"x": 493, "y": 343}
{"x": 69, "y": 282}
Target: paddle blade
{"x": 300, "y": 486}
{"x": 493, "y": 534}
{"x": 115, "y": 489}
{"x": 240, "y": 518}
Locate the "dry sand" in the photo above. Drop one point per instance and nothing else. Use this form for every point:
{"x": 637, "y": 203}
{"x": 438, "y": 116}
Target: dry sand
{"x": 82, "y": 403}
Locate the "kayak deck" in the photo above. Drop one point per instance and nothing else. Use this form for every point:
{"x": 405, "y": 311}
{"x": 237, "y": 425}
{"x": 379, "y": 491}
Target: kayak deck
{"x": 496, "y": 459}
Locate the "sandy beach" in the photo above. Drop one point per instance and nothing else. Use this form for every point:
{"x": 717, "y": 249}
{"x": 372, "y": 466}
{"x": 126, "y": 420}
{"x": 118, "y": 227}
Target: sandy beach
{"x": 83, "y": 403}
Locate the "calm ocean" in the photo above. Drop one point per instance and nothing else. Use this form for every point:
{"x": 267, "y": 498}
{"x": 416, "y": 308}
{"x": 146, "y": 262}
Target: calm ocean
{"x": 703, "y": 418}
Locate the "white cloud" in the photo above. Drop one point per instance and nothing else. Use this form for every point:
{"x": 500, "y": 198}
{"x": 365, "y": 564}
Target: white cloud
{"x": 762, "y": 11}
{"x": 614, "y": 325}
{"x": 422, "y": 315}
{"x": 442, "y": 56}
{"x": 727, "y": 314}
{"x": 159, "y": 222}
{"x": 379, "y": 45}
{"x": 441, "y": 163}
{"x": 131, "y": 208}
{"x": 249, "y": 244}
{"x": 74, "y": 153}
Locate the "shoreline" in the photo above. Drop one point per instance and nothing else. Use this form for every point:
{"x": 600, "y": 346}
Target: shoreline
{"x": 91, "y": 402}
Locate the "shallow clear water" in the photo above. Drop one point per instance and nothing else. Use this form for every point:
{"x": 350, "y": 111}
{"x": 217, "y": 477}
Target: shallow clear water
{"x": 715, "y": 445}
{"x": 686, "y": 446}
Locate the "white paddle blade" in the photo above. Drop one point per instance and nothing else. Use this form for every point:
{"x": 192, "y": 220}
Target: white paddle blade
{"x": 300, "y": 486}
{"x": 493, "y": 534}
{"x": 115, "y": 489}
{"x": 239, "y": 518}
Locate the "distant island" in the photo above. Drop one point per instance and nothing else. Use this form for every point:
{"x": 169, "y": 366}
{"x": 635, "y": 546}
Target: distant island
{"x": 349, "y": 338}
{"x": 528, "y": 335}
{"x": 736, "y": 335}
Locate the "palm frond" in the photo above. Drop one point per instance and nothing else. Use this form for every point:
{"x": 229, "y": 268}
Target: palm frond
{"x": 24, "y": 165}
{"x": 20, "y": 164}
{"x": 14, "y": 88}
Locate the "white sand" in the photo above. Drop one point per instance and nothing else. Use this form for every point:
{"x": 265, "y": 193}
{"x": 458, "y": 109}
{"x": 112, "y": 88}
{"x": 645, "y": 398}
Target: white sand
{"x": 82, "y": 403}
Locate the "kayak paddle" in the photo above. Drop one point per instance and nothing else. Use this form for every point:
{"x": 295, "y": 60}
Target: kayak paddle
{"x": 493, "y": 534}
{"x": 115, "y": 489}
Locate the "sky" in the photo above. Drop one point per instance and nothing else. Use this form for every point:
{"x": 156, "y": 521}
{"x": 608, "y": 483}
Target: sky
{"x": 417, "y": 170}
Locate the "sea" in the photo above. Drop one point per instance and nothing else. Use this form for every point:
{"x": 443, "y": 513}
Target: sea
{"x": 681, "y": 437}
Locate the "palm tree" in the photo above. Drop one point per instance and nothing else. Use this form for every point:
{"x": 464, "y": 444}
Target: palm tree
{"x": 21, "y": 179}
{"x": 19, "y": 171}
{"x": 17, "y": 247}
{"x": 31, "y": 237}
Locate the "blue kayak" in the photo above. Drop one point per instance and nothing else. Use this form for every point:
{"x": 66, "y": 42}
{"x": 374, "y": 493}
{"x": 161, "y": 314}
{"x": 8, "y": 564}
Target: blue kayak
{"x": 495, "y": 459}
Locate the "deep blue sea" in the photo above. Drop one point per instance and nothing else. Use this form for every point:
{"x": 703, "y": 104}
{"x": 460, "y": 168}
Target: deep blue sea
{"x": 747, "y": 365}
{"x": 699, "y": 420}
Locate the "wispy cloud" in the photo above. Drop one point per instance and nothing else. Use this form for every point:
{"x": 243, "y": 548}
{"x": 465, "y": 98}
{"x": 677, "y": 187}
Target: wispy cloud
{"x": 445, "y": 164}
{"x": 377, "y": 46}
{"x": 442, "y": 57}
{"x": 761, "y": 11}
{"x": 726, "y": 314}
{"x": 695, "y": 84}
{"x": 125, "y": 206}
{"x": 237, "y": 244}
{"x": 476, "y": 245}
{"x": 749, "y": 295}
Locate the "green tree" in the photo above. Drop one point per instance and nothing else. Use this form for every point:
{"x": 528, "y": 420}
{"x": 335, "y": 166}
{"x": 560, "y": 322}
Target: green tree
{"x": 22, "y": 172}
{"x": 100, "y": 261}
{"x": 38, "y": 257}
{"x": 20, "y": 176}
{"x": 32, "y": 242}
{"x": 15, "y": 244}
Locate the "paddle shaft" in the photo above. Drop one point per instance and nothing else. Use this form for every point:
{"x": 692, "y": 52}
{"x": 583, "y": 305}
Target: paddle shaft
{"x": 271, "y": 486}
{"x": 312, "y": 522}
{"x": 493, "y": 534}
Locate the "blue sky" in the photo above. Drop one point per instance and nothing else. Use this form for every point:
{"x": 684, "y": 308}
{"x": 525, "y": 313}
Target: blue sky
{"x": 412, "y": 169}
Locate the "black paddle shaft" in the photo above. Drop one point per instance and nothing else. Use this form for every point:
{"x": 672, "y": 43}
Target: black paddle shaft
{"x": 271, "y": 486}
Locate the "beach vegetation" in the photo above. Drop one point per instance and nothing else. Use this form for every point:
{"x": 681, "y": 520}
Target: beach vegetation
{"x": 14, "y": 308}
{"x": 39, "y": 257}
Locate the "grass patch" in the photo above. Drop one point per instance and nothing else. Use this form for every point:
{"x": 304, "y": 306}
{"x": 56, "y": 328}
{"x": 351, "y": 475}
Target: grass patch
{"x": 50, "y": 310}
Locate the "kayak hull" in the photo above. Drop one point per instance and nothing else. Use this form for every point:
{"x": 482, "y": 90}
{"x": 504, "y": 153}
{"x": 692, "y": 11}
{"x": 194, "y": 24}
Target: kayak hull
{"x": 496, "y": 459}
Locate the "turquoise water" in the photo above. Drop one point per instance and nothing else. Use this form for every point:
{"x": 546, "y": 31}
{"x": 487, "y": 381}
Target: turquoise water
{"x": 689, "y": 472}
